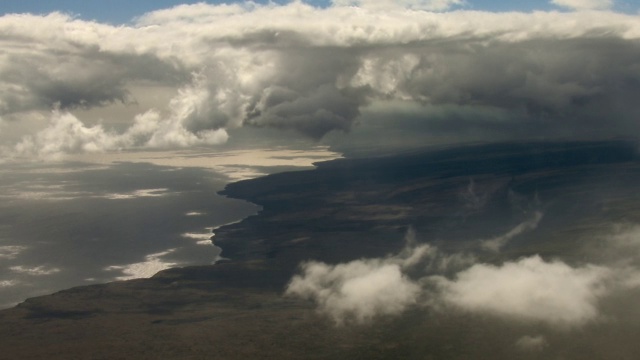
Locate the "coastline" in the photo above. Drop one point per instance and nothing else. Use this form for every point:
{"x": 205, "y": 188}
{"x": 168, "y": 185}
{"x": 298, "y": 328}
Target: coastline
{"x": 176, "y": 189}
{"x": 219, "y": 256}
{"x": 336, "y": 213}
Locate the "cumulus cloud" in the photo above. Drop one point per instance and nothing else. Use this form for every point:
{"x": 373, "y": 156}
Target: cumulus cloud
{"x": 620, "y": 246}
{"x": 531, "y": 289}
{"x": 65, "y": 134}
{"x": 433, "y": 5}
{"x": 315, "y": 70}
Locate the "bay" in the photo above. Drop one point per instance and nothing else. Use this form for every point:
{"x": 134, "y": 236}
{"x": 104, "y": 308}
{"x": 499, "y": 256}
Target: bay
{"x": 111, "y": 217}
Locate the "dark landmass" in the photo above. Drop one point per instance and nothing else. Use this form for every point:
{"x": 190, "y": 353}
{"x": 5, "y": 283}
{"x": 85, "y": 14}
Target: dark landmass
{"x": 349, "y": 209}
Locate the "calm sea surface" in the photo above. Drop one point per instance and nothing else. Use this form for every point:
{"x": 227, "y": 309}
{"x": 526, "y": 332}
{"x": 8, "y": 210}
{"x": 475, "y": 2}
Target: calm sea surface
{"x": 123, "y": 217}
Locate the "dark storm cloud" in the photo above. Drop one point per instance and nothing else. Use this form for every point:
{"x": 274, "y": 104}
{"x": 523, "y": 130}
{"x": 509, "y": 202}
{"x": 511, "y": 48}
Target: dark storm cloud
{"x": 550, "y": 84}
{"x": 542, "y": 85}
{"x": 319, "y": 70}
{"x": 38, "y": 75}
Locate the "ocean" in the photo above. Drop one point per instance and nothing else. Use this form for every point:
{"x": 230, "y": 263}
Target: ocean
{"x": 109, "y": 217}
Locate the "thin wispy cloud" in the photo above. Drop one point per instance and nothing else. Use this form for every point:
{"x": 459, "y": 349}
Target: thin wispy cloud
{"x": 430, "y": 5}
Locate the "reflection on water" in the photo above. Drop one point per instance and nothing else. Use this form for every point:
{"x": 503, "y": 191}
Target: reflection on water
{"x": 151, "y": 265}
{"x": 69, "y": 224}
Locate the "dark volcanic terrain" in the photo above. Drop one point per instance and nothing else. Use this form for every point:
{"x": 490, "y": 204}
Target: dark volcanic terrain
{"x": 349, "y": 209}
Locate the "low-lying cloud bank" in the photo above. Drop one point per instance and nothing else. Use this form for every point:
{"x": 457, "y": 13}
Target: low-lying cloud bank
{"x": 315, "y": 70}
{"x": 529, "y": 289}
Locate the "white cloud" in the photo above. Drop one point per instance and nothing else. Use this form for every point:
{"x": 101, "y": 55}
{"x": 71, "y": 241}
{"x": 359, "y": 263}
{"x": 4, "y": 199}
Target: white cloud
{"x": 34, "y": 271}
{"x": 359, "y": 290}
{"x": 65, "y": 134}
{"x": 194, "y": 213}
{"x": 152, "y": 264}
{"x": 624, "y": 237}
{"x": 313, "y": 70}
{"x": 584, "y": 4}
{"x": 530, "y": 289}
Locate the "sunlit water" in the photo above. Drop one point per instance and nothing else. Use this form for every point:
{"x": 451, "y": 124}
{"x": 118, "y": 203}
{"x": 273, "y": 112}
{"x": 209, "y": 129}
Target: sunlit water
{"x": 121, "y": 216}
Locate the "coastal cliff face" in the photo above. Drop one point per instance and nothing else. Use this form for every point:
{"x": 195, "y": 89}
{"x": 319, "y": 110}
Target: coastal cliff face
{"x": 352, "y": 209}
